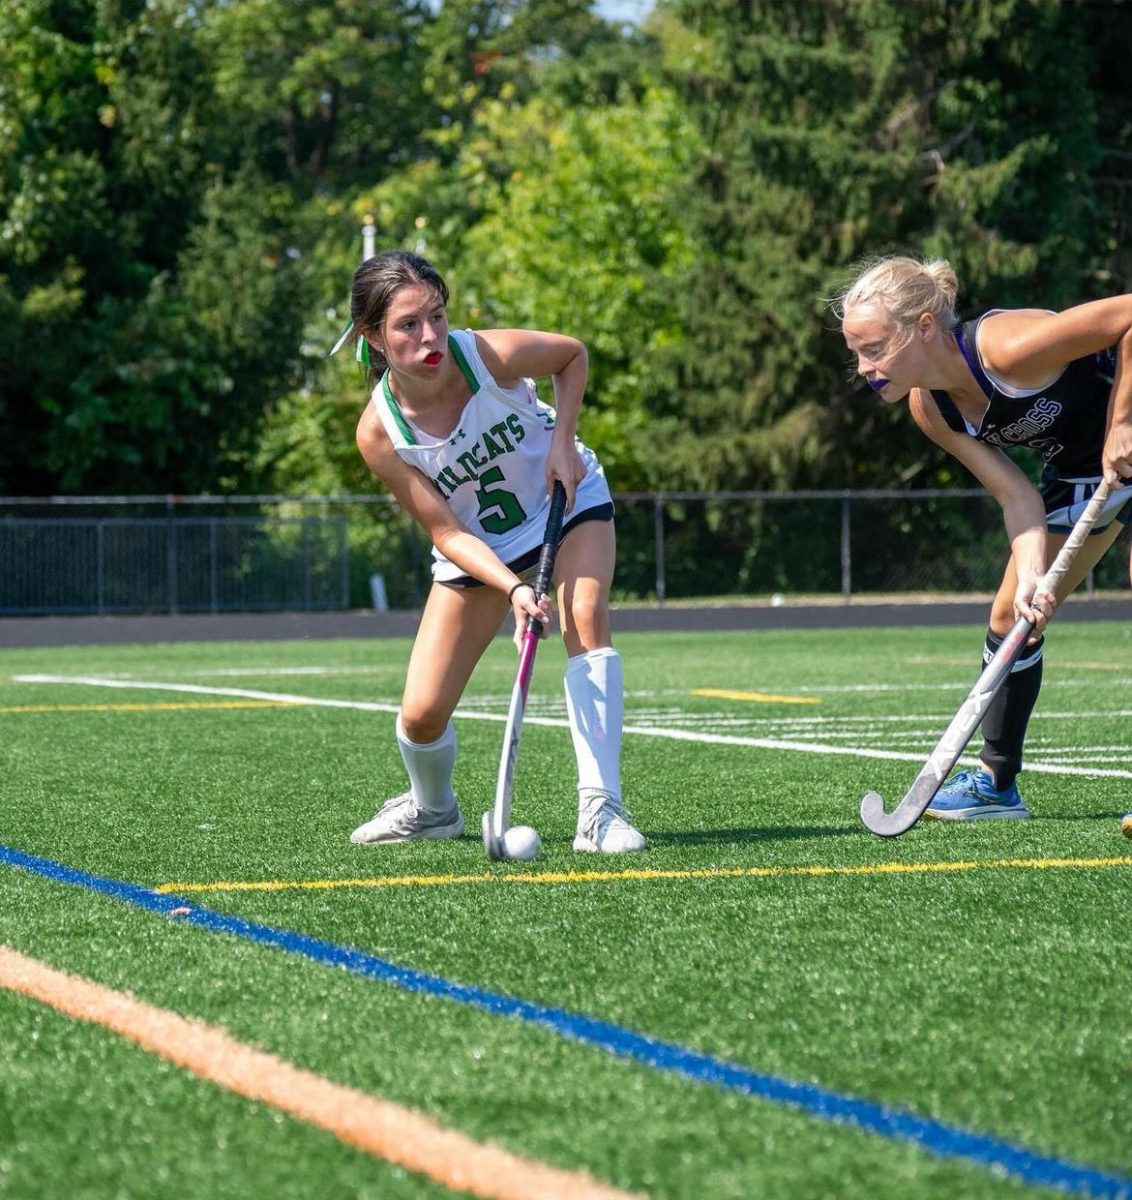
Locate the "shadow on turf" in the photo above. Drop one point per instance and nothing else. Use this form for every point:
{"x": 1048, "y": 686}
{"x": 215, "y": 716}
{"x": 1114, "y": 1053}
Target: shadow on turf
{"x": 702, "y": 837}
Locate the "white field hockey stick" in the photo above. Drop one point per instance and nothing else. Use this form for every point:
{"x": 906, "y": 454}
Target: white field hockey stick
{"x": 973, "y": 709}
{"x": 498, "y": 820}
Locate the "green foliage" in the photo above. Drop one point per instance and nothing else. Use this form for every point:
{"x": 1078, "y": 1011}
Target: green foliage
{"x": 181, "y": 188}
{"x": 577, "y": 234}
{"x": 1106, "y": 33}
{"x": 477, "y": 49}
{"x": 319, "y": 90}
{"x": 156, "y": 297}
{"x": 836, "y": 132}
{"x": 156, "y": 163}
{"x": 548, "y": 216}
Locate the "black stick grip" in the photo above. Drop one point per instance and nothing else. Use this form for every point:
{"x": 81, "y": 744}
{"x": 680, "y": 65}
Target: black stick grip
{"x": 549, "y": 550}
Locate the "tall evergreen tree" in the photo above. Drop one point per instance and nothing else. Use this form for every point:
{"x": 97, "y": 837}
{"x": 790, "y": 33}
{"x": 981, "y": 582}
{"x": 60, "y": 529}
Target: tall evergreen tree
{"x": 841, "y": 130}
{"x": 1107, "y": 31}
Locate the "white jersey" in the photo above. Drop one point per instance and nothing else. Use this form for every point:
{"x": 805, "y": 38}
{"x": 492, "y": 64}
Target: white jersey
{"x": 492, "y": 467}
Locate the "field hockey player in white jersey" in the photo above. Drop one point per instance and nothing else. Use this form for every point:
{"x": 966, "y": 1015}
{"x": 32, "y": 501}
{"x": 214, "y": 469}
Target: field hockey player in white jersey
{"x": 456, "y": 432}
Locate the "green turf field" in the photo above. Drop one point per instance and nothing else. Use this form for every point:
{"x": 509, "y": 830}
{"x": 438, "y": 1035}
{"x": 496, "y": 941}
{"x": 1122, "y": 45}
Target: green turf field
{"x": 779, "y": 1003}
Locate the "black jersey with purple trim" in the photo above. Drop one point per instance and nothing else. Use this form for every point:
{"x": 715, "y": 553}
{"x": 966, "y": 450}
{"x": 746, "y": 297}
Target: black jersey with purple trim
{"x": 1063, "y": 421}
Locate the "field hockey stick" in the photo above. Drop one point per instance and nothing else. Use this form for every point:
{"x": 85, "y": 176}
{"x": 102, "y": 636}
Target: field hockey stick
{"x": 498, "y": 820}
{"x": 973, "y": 709}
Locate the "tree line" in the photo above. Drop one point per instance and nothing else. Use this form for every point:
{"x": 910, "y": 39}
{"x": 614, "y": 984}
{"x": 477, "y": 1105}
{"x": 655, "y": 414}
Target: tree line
{"x": 182, "y": 188}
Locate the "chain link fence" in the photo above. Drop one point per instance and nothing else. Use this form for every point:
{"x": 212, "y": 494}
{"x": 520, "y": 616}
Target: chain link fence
{"x": 286, "y": 553}
{"x": 170, "y": 565}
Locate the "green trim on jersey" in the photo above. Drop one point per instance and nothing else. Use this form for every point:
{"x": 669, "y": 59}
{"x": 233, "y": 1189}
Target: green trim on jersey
{"x": 462, "y": 363}
{"x": 395, "y": 409}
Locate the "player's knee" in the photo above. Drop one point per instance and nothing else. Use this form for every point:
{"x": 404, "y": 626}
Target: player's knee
{"x": 423, "y": 723}
{"x": 1002, "y": 618}
{"x": 588, "y": 618}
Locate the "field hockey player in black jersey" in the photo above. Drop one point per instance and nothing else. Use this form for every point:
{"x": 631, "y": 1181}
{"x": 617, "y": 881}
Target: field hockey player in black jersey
{"x": 1058, "y": 382}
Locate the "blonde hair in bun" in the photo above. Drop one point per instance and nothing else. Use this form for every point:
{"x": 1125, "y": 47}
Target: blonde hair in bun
{"x": 904, "y": 288}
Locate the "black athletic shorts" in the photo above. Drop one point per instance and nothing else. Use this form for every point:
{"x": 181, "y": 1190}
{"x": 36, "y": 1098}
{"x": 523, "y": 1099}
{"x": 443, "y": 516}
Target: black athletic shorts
{"x": 600, "y": 512}
{"x": 1066, "y": 499}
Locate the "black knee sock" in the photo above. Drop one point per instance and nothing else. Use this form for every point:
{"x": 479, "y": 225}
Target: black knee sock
{"x": 1004, "y": 726}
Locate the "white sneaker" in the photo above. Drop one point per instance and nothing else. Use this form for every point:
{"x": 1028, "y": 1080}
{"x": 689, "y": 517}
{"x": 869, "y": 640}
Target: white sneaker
{"x": 603, "y": 826}
{"x": 401, "y": 820}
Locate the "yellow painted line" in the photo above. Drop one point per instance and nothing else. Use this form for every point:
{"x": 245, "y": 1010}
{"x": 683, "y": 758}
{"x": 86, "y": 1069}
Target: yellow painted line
{"x": 323, "y": 885}
{"x": 634, "y": 875}
{"x": 160, "y": 707}
{"x": 755, "y": 697}
{"x": 386, "y": 1130}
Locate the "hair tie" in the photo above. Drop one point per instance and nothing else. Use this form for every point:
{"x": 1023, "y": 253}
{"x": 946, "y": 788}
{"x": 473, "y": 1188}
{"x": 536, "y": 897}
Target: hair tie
{"x": 341, "y": 340}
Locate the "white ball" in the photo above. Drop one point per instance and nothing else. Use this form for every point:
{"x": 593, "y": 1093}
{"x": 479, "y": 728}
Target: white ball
{"x": 777, "y": 600}
{"x": 521, "y": 842}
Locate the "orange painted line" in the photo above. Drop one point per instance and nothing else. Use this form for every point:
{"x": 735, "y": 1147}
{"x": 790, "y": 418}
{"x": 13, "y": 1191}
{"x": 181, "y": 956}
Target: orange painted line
{"x": 386, "y": 1130}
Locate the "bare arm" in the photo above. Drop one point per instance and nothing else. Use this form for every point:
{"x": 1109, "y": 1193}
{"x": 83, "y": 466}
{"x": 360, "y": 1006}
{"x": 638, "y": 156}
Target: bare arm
{"x": 512, "y": 354}
{"x": 1023, "y": 511}
{"x": 1027, "y": 347}
{"x": 1117, "y": 457}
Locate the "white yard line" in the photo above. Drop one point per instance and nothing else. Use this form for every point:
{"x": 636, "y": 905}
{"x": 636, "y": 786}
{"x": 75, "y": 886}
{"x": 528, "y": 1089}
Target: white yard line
{"x": 653, "y": 731}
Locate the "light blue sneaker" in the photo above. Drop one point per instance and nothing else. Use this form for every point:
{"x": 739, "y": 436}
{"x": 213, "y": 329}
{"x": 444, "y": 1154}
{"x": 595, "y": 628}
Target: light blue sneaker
{"x": 971, "y": 796}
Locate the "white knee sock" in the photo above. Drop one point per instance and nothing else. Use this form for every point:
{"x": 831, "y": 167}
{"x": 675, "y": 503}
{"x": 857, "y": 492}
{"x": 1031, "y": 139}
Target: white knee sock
{"x": 595, "y": 705}
{"x": 430, "y": 765}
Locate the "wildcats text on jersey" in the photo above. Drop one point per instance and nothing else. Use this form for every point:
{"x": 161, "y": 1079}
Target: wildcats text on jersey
{"x": 490, "y": 445}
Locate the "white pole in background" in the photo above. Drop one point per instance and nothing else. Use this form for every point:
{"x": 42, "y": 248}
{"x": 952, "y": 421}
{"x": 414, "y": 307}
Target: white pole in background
{"x": 368, "y": 232}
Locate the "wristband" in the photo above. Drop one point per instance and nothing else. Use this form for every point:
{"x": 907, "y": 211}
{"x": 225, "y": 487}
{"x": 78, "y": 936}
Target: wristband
{"x": 511, "y": 593}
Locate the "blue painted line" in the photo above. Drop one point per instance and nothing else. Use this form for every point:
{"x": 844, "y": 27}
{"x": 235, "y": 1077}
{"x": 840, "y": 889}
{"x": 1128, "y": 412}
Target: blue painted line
{"x": 937, "y": 1138}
